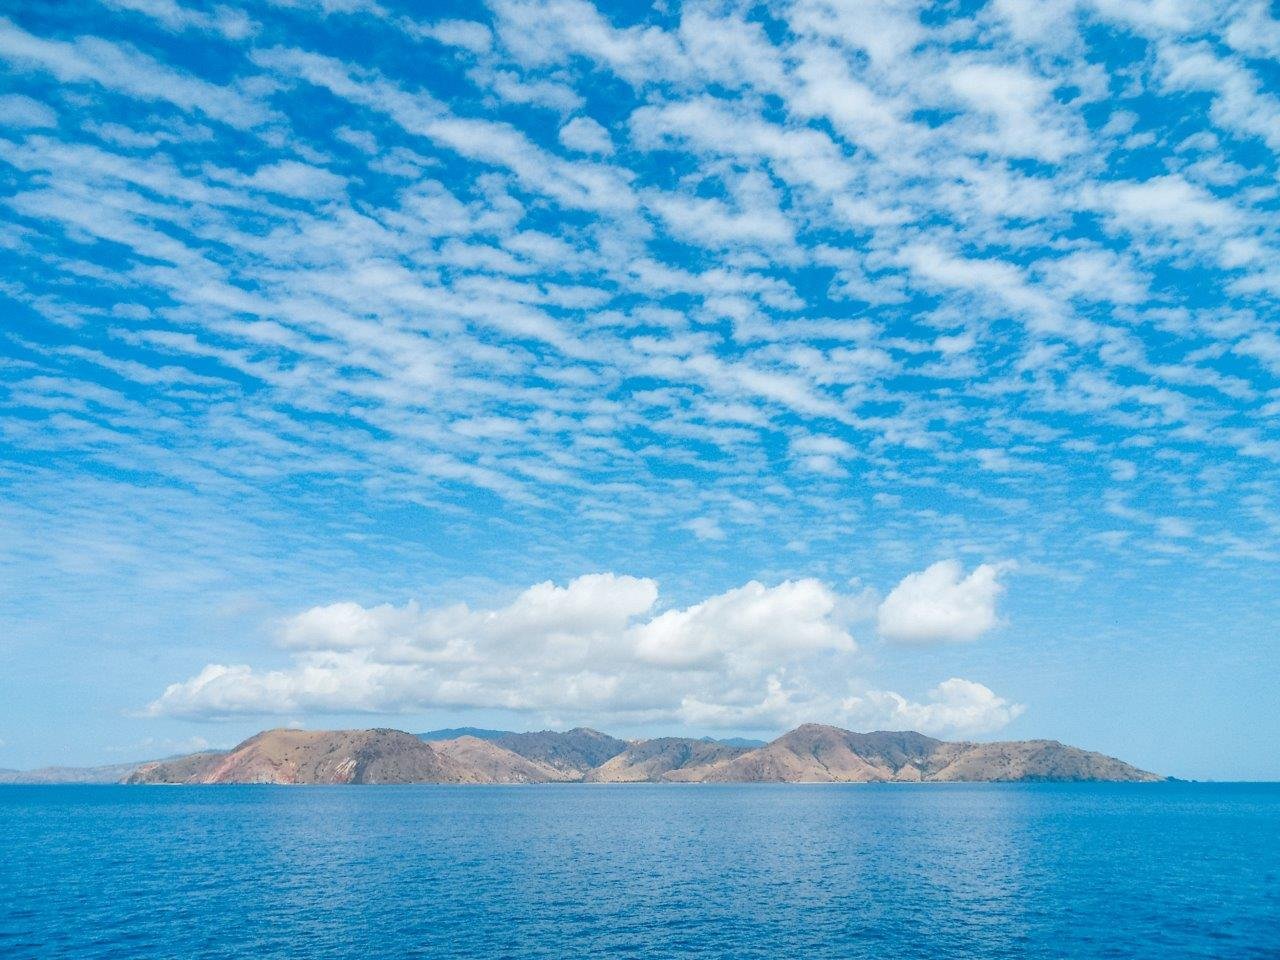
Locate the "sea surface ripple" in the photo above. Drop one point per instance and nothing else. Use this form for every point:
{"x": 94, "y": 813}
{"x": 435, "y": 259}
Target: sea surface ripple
{"x": 850, "y": 871}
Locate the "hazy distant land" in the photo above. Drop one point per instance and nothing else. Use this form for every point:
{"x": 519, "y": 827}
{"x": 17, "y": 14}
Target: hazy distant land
{"x": 812, "y": 753}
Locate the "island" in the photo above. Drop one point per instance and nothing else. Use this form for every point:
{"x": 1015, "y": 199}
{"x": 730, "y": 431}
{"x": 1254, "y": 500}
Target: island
{"x": 812, "y": 753}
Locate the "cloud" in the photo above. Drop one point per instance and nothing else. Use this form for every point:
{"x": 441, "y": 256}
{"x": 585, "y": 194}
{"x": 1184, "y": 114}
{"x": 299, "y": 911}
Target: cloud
{"x": 590, "y": 647}
{"x": 954, "y": 707}
{"x": 941, "y": 604}
{"x": 706, "y": 528}
{"x": 230, "y": 23}
{"x": 19, "y": 111}
{"x": 599, "y": 649}
{"x": 293, "y": 179}
{"x": 120, "y": 68}
{"x": 1171, "y": 203}
{"x": 587, "y": 136}
{"x": 751, "y": 628}
{"x": 163, "y": 747}
{"x": 1021, "y": 109}
{"x": 467, "y": 34}
{"x": 855, "y": 277}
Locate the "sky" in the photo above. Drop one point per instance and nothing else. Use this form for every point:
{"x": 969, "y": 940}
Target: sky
{"x": 700, "y": 369}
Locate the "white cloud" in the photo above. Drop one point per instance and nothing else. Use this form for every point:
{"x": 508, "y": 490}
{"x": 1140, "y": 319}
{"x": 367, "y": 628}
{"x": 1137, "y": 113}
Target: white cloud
{"x": 1254, "y": 31}
{"x": 1170, "y": 203}
{"x": 990, "y": 278}
{"x": 746, "y": 629}
{"x": 289, "y": 178}
{"x": 586, "y": 136}
{"x": 591, "y": 647}
{"x": 1021, "y": 109}
{"x": 19, "y": 111}
{"x": 230, "y": 23}
{"x": 959, "y": 708}
{"x": 341, "y": 626}
{"x": 705, "y": 528}
{"x": 467, "y": 34}
{"x": 941, "y": 604}
{"x": 597, "y": 650}
{"x": 512, "y": 88}
{"x": 115, "y": 67}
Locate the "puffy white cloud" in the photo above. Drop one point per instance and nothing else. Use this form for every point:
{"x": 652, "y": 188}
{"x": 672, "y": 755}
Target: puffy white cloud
{"x": 955, "y": 708}
{"x": 746, "y": 628}
{"x": 584, "y": 647}
{"x": 597, "y": 650}
{"x": 339, "y": 626}
{"x": 941, "y": 604}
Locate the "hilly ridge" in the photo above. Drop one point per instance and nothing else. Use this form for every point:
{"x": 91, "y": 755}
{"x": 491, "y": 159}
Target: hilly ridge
{"x": 314, "y": 756}
{"x": 574, "y": 751}
{"x": 812, "y": 753}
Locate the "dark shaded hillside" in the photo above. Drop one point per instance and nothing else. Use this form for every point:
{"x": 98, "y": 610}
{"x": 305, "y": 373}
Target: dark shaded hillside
{"x": 578, "y": 750}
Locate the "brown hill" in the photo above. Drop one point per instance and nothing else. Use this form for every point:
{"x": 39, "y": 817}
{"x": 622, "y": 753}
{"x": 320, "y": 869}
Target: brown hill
{"x": 487, "y": 762}
{"x": 814, "y": 753}
{"x": 666, "y": 758}
{"x": 189, "y": 769}
{"x": 314, "y": 756}
{"x": 1034, "y": 760}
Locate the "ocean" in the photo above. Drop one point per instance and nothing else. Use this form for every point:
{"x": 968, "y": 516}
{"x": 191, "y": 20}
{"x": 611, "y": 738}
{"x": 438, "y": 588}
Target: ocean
{"x": 877, "y": 871}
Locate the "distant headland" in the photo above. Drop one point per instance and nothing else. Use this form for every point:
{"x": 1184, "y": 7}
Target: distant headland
{"x": 812, "y": 753}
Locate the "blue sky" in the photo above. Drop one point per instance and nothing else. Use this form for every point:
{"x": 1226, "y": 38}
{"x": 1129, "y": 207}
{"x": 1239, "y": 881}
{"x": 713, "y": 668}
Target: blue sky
{"x": 702, "y": 368}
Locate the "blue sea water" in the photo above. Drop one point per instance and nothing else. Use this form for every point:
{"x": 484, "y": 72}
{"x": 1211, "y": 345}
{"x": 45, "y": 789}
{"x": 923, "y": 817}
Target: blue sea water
{"x": 936, "y": 871}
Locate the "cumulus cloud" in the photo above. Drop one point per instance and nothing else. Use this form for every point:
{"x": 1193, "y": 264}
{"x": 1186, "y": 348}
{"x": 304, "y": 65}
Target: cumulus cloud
{"x": 599, "y": 649}
{"x": 941, "y": 604}
{"x": 753, "y": 624}
{"x": 591, "y": 646}
{"x": 954, "y": 707}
